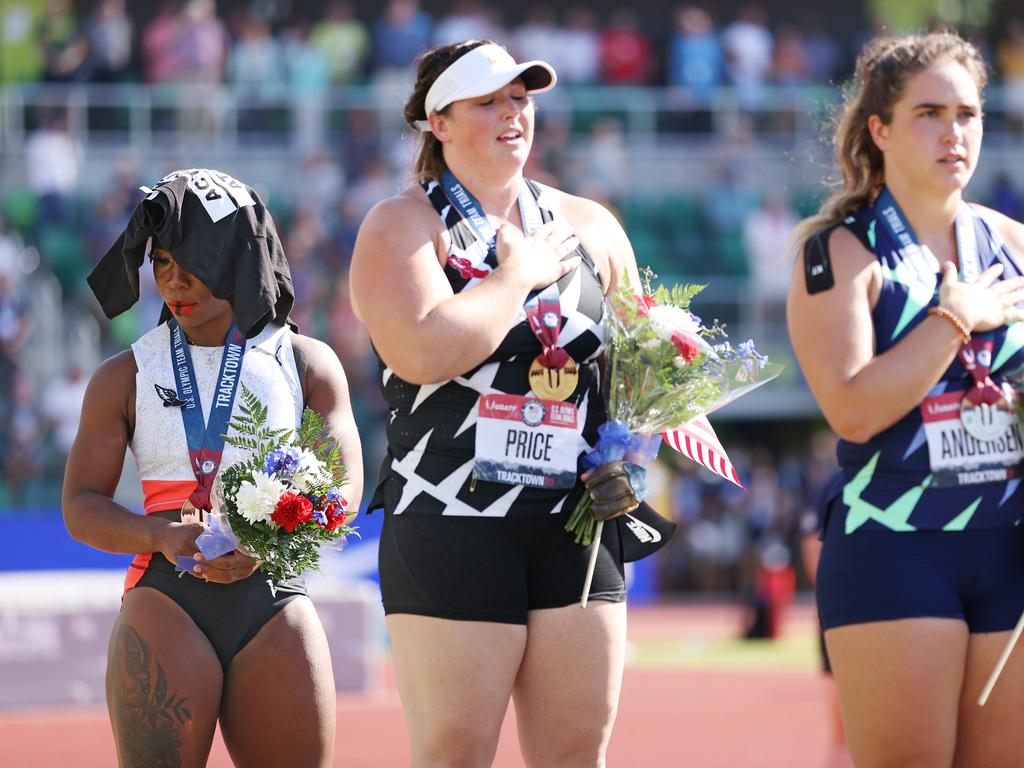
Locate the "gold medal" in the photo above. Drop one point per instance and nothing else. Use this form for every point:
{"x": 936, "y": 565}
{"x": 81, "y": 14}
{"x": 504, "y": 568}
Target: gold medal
{"x": 553, "y": 383}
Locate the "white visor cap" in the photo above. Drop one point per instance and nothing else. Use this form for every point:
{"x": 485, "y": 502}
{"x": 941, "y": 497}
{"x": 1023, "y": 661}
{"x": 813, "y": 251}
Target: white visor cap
{"x": 484, "y": 70}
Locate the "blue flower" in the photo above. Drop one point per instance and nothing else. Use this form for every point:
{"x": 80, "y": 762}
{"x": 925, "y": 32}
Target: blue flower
{"x": 751, "y": 356}
{"x": 283, "y": 462}
{"x": 334, "y": 495}
{"x": 724, "y": 351}
{"x": 319, "y": 516}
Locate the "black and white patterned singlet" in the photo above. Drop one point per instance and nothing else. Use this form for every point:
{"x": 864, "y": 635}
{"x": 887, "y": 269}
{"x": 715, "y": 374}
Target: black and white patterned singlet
{"x": 431, "y": 429}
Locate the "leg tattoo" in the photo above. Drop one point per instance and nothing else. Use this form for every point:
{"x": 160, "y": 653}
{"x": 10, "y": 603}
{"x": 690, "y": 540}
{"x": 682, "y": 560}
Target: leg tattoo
{"x": 147, "y": 716}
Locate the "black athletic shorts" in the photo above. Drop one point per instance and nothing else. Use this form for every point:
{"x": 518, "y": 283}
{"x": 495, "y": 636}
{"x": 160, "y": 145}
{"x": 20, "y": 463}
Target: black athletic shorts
{"x": 491, "y": 568}
{"x": 229, "y": 615}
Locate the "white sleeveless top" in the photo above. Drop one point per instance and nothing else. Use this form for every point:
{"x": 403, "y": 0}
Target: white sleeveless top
{"x": 159, "y": 444}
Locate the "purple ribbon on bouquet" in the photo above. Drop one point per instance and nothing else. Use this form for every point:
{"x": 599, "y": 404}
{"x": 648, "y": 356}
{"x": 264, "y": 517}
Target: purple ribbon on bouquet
{"x": 218, "y": 539}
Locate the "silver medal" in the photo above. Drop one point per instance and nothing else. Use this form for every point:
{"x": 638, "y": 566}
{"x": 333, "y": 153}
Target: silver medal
{"x": 986, "y": 421}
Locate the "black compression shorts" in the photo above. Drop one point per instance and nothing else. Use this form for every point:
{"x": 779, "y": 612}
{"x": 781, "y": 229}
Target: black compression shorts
{"x": 491, "y": 568}
{"x": 229, "y": 615}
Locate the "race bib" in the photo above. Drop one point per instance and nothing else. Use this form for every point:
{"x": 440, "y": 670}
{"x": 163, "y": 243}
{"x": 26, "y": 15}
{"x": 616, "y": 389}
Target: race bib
{"x": 527, "y": 441}
{"x": 959, "y": 458}
{"x": 220, "y": 194}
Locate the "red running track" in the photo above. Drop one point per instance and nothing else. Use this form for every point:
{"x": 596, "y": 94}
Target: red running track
{"x": 669, "y": 715}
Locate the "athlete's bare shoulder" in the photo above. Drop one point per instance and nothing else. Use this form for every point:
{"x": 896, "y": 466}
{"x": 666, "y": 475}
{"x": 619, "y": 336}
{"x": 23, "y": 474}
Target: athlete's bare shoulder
{"x": 310, "y": 351}
{"x": 410, "y": 206}
{"x": 117, "y": 370}
{"x": 581, "y": 211}
{"x": 111, "y": 388}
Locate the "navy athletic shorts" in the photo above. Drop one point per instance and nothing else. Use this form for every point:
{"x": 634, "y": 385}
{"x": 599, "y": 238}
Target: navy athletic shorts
{"x": 491, "y": 568}
{"x": 975, "y": 575}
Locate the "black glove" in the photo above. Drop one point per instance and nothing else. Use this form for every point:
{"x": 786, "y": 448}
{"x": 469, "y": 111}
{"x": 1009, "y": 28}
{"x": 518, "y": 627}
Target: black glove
{"x": 612, "y": 490}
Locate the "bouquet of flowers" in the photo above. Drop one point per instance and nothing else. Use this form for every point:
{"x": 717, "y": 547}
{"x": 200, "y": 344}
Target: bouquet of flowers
{"x": 664, "y": 368}
{"x": 283, "y": 504}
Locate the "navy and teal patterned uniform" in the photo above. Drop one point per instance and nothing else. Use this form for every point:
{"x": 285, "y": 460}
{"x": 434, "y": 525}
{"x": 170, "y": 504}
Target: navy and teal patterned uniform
{"x": 889, "y": 482}
{"x": 919, "y": 512}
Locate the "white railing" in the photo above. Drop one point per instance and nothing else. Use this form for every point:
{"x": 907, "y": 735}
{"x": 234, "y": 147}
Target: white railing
{"x": 145, "y": 116}
{"x": 148, "y": 117}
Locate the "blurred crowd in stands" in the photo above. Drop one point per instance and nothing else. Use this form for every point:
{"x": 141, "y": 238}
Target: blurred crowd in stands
{"x": 736, "y": 227}
{"x": 270, "y": 43}
{"x": 263, "y": 45}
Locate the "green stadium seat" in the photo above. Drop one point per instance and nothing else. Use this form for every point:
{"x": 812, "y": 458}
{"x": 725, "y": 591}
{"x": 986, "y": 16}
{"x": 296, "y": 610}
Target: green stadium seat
{"x": 649, "y": 249}
{"x": 124, "y": 328}
{"x": 729, "y": 255}
{"x": 638, "y": 214}
{"x": 60, "y": 248}
{"x": 20, "y": 208}
{"x": 683, "y": 214}
{"x": 806, "y": 203}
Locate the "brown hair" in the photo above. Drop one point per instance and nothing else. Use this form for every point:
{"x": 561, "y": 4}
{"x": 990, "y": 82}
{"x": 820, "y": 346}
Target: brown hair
{"x": 429, "y": 66}
{"x": 883, "y": 68}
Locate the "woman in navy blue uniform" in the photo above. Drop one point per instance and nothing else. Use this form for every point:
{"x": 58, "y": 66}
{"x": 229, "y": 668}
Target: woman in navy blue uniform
{"x": 903, "y": 312}
{"x": 483, "y": 294}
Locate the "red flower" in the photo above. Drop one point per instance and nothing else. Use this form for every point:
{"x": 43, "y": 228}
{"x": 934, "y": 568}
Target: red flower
{"x": 644, "y": 303}
{"x": 292, "y": 511}
{"x": 687, "y": 345}
{"x": 335, "y": 514}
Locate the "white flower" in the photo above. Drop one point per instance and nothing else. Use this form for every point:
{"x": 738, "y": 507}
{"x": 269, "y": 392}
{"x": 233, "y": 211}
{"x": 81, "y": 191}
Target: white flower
{"x": 666, "y": 320}
{"x": 311, "y": 472}
{"x": 308, "y": 461}
{"x": 257, "y": 501}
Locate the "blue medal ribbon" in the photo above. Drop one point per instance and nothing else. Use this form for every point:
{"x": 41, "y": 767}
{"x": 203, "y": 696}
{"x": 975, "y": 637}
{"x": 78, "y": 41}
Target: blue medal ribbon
{"x": 205, "y": 440}
{"x": 897, "y": 235}
{"x": 539, "y": 305}
{"x": 975, "y": 254}
{"x": 473, "y": 212}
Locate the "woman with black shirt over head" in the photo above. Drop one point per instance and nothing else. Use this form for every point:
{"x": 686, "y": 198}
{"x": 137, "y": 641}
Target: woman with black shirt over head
{"x": 196, "y": 649}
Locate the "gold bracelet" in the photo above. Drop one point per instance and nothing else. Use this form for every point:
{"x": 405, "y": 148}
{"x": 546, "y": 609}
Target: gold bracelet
{"x": 960, "y": 325}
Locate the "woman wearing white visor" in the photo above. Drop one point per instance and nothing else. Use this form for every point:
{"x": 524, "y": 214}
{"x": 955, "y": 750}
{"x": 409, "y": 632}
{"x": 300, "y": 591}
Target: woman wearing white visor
{"x": 482, "y": 292}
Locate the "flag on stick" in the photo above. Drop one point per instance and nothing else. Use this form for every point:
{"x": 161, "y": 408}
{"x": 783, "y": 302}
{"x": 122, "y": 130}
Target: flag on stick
{"x": 697, "y": 441}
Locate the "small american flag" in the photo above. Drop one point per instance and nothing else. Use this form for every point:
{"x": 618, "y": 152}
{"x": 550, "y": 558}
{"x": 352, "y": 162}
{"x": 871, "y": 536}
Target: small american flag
{"x": 698, "y": 442}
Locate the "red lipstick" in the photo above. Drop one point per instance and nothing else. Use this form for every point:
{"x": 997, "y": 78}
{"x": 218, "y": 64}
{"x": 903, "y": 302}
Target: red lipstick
{"x": 181, "y": 308}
